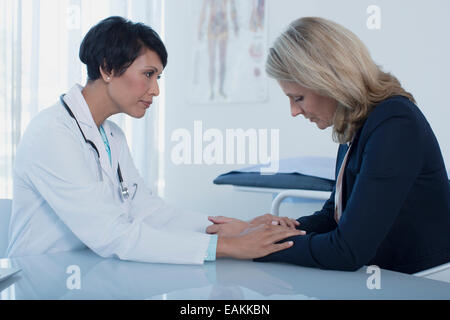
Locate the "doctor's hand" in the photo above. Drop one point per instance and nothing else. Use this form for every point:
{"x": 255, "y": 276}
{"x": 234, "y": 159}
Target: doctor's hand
{"x": 256, "y": 242}
{"x": 271, "y": 219}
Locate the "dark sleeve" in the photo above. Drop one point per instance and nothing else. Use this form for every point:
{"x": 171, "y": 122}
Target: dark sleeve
{"x": 391, "y": 161}
{"x": 321, "y": 221}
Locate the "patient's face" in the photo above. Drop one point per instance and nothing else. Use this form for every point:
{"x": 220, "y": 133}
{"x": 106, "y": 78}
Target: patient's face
{"x": 318, "y": 109}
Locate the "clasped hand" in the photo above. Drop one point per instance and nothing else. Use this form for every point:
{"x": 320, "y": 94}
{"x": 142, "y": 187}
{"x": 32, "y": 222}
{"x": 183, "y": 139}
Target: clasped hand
{"x": 229, "y": 227}
{"x": 254, "y": 239}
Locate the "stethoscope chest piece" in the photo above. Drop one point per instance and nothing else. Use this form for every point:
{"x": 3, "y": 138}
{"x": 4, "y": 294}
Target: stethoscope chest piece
{"x": 124, "y": 191}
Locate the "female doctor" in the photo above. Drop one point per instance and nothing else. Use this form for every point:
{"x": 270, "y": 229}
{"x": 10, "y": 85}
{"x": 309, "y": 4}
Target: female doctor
{"x": 75, "y": 183}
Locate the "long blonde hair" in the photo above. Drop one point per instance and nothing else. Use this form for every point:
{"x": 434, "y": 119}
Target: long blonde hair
{"x": 325, "y": 57}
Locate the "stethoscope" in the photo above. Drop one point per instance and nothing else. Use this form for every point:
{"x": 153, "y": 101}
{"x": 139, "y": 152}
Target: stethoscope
{"x": 123, "y": 189}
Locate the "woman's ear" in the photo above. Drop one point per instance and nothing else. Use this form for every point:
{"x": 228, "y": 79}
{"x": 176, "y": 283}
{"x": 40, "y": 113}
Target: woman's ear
{"x": 106, "y": 76}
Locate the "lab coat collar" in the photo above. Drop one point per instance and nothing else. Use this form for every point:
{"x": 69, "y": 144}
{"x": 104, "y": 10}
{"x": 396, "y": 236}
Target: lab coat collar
{"x": 74, "y": 98}
{"x": 81, "y": 111}
{"x": 113, "y": 144}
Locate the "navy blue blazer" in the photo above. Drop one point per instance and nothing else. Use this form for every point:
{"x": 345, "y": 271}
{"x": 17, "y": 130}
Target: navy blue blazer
{"x": 396, "y": 200}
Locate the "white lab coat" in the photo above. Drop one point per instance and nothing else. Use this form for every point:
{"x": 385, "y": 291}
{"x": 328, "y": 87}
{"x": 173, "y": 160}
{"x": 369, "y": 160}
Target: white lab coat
{"x": 64, "y": 201}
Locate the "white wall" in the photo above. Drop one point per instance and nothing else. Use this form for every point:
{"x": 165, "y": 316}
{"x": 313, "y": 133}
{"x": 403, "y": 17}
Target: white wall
{"x": 412, "y": 44}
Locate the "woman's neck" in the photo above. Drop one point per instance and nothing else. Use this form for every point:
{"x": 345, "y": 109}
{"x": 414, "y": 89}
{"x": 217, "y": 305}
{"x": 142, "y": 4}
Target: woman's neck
{"x": 99, "y": 103}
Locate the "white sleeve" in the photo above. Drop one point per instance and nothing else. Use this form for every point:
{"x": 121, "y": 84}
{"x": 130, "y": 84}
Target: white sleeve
{"x": 152, "y": 208}
{"x": 59, "y": 170}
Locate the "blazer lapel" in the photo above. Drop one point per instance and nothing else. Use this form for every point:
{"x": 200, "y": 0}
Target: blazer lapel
{"x": 349, "y": 178}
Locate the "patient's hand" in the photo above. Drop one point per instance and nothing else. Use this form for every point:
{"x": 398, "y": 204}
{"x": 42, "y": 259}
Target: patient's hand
{"x": 226, "y": 227}
{"x": 230, "y": 227}
{"x": 271, "y": 219}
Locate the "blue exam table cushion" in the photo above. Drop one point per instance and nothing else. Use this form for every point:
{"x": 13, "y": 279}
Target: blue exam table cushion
{"x": 276, "y": 181}
{"x": 306, "y": 173}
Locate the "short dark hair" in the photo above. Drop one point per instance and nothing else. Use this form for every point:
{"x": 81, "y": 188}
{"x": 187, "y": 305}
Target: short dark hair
{"x": 114, "y": 43}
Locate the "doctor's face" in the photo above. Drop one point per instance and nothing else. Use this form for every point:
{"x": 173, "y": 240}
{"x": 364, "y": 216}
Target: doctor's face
{"x": 318, "y": 109}
{"x": 132, "y": 93}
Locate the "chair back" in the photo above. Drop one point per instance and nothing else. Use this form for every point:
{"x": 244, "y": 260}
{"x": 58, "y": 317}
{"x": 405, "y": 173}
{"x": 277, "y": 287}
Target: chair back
{"x": 5, "y": 216}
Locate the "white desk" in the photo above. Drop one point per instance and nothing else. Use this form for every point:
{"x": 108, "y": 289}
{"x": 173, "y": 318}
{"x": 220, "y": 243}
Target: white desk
{"x": 46, "y": 277}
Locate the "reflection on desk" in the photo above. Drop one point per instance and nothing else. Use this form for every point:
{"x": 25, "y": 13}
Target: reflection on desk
{"x": 51, "y": 277}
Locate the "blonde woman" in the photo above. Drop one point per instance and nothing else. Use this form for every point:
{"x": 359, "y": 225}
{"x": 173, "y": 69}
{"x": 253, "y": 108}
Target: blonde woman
{"x": 390, "y": 206}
